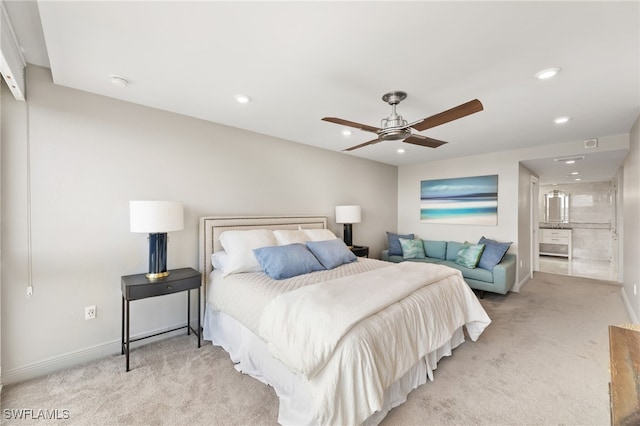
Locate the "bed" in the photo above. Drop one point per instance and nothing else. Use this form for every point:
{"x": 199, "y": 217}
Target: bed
{"x": 341, "y": 343}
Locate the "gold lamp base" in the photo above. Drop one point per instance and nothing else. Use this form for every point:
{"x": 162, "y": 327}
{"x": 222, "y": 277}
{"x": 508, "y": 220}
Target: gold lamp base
{"x": 156, "y": 276}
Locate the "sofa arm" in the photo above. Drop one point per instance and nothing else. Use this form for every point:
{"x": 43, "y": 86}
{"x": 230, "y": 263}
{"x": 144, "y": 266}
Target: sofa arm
{"x": 385, "y": 255}
{"x": 504, "y": 273}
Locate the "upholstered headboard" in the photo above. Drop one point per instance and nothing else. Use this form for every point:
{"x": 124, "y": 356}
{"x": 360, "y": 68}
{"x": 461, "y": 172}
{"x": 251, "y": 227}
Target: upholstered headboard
{"x": 212, "y": 227}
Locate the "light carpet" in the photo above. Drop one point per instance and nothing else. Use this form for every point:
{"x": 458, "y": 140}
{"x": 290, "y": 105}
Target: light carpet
{"x": 543, "y": 361}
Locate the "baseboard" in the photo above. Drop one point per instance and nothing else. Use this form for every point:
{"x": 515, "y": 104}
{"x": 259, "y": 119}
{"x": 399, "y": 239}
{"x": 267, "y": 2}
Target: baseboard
{"x": 519, "y": 285}
{"x": 627, "y": 304}
{"x": 82, "y": 356}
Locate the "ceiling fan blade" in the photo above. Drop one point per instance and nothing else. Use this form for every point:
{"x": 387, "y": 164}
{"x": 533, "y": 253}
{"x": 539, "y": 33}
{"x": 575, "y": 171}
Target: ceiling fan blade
{"x": 449, "y": 115}
{"x": 424, "y": 141}
{"x": 352, "y": 124}
{"x": 363, "y": 144}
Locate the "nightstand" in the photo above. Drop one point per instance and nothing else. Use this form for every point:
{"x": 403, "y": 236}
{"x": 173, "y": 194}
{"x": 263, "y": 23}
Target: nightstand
{"x": 138, "y": 286}
{"x": 360, "y": 251}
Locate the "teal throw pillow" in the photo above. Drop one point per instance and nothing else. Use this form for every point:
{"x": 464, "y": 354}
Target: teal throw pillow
{"x": 412, "y": 249}
{"x": 435, "y": 249}
{"x": 453, "y": 247}
{"x": 469, "y": 255}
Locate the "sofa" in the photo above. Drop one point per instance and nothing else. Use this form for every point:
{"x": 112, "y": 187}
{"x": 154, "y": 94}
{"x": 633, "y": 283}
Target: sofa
{"x": 497, "y": 279}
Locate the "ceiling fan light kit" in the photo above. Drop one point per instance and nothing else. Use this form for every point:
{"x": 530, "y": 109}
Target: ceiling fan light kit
{"x": 395, "y": 127}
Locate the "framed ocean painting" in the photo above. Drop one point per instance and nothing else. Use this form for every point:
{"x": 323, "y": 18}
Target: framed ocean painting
{"x": 461, "y": 201}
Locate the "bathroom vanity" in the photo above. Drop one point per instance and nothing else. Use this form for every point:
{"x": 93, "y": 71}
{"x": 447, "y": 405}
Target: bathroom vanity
{"x": 555, "y": 242}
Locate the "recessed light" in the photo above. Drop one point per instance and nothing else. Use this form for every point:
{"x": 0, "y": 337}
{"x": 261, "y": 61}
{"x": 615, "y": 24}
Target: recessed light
{"x": 400, "y": 151}
{"x": 243, "y": 99}
{"x": 570, "y": 162}
{"x": 547, "y": 73}
{"x": 578, "y": 179}
{"x": 575, "y": 173}
{"x": 118, "y": 80}
{"x": 561, "y": 120}
{"x": 567, "y": 159}
{"x": 346, "y": 132}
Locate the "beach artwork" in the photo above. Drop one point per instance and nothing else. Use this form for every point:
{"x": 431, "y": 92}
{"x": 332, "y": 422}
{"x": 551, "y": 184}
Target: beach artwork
{"x": 461, "y": 201}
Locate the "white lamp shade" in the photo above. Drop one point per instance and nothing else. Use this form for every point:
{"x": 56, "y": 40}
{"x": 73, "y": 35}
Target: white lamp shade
{"x": 156, "y": 216}
{"x": 348, "y": 214}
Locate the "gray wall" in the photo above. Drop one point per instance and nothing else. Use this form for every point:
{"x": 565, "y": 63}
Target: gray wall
{"x": 631, "y": 233}
{"x": 526, "y": 204}
{"x": 4, "y": 88}
{"x": 91, "y": 155}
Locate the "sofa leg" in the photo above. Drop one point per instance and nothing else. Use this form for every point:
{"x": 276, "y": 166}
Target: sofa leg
{"x": 481, "y": 294}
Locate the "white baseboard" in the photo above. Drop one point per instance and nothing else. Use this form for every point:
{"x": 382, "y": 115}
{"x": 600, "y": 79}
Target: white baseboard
{"x": 518, "y": 286}
{"x": 82, "y": 356}
{"x": 627, "y": 304}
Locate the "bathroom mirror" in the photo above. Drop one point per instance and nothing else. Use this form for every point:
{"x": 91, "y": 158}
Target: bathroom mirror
{"x": 556, "y": 207}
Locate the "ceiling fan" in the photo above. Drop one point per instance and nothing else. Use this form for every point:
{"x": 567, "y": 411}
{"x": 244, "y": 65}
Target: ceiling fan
{"x": 395, "y": 127}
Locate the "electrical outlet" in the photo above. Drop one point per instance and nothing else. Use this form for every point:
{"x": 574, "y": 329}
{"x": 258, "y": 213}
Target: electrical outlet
{"x": 29, "y": 291}
{"x": 90, "y": 312}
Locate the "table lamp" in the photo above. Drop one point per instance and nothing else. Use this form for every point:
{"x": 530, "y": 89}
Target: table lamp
{"x": 348, "y": 215}
{"x": 156, "y": 218}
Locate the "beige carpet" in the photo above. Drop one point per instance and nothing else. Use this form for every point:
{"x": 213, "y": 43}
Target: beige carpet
{"x": 543, "y": 361}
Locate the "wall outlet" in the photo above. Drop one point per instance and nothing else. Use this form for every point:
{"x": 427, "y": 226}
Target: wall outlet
{"x": 90, "y": 312}
{"x": 29, "y": 291}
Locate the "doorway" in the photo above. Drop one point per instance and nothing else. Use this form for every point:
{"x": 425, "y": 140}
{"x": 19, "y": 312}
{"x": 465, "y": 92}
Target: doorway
{"x": 592, "y": 221}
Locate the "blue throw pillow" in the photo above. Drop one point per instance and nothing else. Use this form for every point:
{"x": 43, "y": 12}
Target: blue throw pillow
{"x": 331, "y": 253}
{"x": 280, "y": 262}
{"x": 395, "y": 249}
{"x": 492, "y": 254}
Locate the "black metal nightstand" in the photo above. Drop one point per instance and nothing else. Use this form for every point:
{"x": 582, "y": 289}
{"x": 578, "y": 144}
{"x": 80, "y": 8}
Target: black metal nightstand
{"x": 361, "y": 251}
{"x": 138, "y": 286}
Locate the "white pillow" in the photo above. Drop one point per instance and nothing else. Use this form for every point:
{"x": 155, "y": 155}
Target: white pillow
{"x": 239, "y": 246}
{"x": 319, "y": 234}
{"x": 220, "y": 260}
{"x": 286, "y": 236}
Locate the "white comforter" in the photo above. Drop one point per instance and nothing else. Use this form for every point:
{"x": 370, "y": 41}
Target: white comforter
{"x": 366, "y": 331}
{"x": 303, "y": 327}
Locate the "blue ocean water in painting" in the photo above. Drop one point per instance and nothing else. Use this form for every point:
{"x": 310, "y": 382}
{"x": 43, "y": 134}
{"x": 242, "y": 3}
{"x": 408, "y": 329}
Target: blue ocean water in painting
{"x": 463, "y": 200}
{"x": 458, "y": 208}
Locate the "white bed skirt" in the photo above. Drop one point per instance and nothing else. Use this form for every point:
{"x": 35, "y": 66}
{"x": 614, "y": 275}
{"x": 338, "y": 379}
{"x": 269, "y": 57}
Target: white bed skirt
{"x": 251, "y": 356}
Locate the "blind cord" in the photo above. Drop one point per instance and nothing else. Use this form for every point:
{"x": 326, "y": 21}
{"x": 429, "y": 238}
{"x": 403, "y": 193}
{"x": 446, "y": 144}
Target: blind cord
{"x": 29, "y": 247}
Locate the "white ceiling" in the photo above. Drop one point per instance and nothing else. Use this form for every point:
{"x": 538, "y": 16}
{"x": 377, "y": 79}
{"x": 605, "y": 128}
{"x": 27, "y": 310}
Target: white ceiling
{"x": 301, "y": 61}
